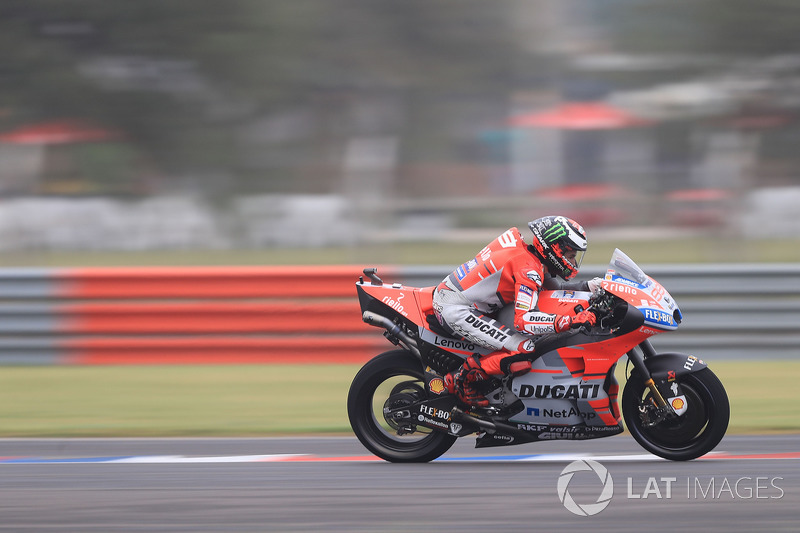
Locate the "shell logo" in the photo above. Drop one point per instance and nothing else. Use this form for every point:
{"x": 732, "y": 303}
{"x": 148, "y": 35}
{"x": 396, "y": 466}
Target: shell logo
{"x": 677, "y": 403}
{"x": 436, "y": 385}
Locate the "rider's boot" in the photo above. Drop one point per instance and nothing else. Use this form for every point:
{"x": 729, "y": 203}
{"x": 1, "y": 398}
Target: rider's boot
{"x": 502, "y": 363}
{"x": 469, "y": 383}
{"x": 473, "y": 381}
{"x": 478, "y": 381}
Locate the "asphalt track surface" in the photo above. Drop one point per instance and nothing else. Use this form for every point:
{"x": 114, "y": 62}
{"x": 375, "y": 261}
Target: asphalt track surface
{"x": 750, "y": 483}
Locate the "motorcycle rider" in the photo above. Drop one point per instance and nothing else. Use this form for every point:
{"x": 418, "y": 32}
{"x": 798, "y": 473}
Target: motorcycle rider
{"x": 509, "y": 272}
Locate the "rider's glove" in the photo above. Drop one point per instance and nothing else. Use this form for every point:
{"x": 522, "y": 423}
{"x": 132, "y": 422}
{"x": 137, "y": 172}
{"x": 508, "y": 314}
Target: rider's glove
{"x": 584, "y": 318}
{"x": 565, "y": 322}
{"x": 595, "y": 285}
{"x": 562, "y": 323}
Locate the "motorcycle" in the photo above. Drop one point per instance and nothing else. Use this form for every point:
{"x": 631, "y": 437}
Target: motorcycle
{"x": 673, "y": 405}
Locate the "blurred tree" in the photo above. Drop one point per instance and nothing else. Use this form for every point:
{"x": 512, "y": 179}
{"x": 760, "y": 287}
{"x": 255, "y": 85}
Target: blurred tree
{"x": 174, "y": 76}
{"x": 719, "y": 27}
{"x": 185, "y": 78}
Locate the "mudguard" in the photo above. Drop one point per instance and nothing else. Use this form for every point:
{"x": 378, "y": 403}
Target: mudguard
{"x": 669, "y": 366}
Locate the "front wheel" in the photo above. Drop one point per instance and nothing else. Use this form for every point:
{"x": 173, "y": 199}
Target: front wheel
{"x": 389, "y": 381}
{"x": 694, "y": 433}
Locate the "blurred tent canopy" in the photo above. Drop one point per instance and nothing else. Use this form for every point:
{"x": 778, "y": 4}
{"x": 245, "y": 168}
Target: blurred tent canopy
{"x": 59, "y": 156}
{"x": 579, "y": 116}
{"x": 58, "y": 132}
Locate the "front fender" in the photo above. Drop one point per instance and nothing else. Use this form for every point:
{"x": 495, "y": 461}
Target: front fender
{"x": 672, "y": 365}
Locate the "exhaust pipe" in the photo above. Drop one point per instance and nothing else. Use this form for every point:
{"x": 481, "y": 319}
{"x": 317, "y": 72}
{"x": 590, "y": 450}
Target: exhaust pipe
{"x": 374, "y": 319}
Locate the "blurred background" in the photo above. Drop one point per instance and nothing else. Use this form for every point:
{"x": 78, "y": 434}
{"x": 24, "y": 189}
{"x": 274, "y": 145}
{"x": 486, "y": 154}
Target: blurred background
{"x": 374, "y": 132}
{"x": 199, "y": 125}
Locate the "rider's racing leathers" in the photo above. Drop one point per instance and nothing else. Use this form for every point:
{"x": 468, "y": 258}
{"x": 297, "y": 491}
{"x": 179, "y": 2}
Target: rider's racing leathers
{"x": 506, "y": 272}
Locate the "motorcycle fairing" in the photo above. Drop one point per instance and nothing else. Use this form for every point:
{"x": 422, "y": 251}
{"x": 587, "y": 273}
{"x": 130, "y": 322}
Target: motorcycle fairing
{"x": 573, "y": 383}
{"x": 392, "y": 301}
{"x": 562, "y": 302}
{"x": 559, "y": 391}
{"x": 539, "y": 432}
{"x": 626, "y": 280}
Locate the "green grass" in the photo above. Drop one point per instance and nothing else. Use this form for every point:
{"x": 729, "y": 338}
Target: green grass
{"x": 764, "y": 395}
{"x": 277, "y": 400}
{"x": 173, "y": 400}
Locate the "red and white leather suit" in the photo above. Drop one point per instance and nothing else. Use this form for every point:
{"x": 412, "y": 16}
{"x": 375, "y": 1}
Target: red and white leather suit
{"x": 504, "y": 273}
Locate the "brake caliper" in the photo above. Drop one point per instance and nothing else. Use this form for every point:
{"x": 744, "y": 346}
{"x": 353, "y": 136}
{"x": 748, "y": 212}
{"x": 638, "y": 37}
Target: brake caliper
{"x": 651, "y": 414}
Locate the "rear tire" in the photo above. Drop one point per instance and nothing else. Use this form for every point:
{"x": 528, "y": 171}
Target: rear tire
{"x": 392, "y": 378}
{"x": 691, "y": 435}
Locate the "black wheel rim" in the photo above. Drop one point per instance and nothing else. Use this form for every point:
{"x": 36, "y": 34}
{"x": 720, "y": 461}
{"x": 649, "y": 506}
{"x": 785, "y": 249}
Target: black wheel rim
{"x": 393, "y": 390}
{"x": 685, "y": 431}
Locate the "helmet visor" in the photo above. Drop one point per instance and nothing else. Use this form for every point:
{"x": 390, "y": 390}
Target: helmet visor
{"x": 575, "y": 257}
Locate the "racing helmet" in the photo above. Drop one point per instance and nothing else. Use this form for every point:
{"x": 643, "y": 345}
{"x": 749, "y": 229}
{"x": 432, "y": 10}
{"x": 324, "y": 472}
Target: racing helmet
{"x": 560, "y": 243}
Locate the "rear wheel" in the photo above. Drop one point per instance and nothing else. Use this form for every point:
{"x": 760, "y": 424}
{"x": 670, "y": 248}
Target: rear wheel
{"x": 690, "y": 435}
{"x": 390, "y": 381}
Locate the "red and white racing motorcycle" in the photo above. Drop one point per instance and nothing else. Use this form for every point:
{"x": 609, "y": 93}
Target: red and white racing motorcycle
{"x": 673, "y": 404}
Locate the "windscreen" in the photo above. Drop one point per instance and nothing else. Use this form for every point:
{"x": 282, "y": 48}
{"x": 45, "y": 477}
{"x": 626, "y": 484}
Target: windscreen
{"x": 628, "y": 281}
{"x": 623, "y": 266}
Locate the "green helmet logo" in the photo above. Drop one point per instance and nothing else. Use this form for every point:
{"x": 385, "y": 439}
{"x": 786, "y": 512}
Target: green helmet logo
{"x": 560, "y": 242}
{"x": 554, "y": 232}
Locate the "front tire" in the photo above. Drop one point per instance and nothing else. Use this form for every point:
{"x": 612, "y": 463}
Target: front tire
{"x": 692, "y": 434}
{"x": 390, "y": 379}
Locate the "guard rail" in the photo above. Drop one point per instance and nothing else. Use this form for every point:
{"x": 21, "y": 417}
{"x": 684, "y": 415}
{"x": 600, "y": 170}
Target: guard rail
{"x": 308, "y": 314}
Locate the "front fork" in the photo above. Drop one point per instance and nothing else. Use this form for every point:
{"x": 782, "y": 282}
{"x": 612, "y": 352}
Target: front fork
{"x": 638, "y": 363}
{"x": 651, "y": 415}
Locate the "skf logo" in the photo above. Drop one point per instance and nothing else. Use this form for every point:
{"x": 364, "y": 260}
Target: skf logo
{"x": 436, "y": 386}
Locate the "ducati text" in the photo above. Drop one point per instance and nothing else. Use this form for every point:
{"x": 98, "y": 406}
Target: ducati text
{"x": 559, "y": 391}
